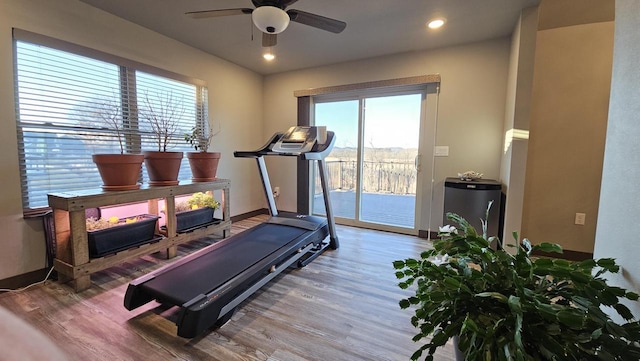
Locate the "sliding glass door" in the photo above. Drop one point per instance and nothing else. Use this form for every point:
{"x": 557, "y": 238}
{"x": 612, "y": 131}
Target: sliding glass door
{"x": 389, "y": 152}
{"x": 374, "y": 166}
{"x": 341, "y": 117}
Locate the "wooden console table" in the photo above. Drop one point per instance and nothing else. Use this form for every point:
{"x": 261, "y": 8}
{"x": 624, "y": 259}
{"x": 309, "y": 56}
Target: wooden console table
{"x": 72, "y": 251}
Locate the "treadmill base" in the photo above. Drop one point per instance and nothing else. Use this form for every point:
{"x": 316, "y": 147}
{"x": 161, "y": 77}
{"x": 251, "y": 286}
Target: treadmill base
{"x": 210, "y": 284}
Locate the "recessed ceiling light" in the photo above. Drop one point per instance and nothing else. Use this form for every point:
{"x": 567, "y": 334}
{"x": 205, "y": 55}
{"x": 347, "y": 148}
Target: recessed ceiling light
{"x": 435, "y": 23}
{"x": 268, "y": 56}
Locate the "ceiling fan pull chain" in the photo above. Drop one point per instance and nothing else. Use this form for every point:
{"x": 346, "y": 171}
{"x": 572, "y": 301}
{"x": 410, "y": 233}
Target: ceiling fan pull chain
{"x": 251, "y": 25}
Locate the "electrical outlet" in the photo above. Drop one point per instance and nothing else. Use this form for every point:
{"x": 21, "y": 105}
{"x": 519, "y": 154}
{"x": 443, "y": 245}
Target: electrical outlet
{"x": 580, "y": 217}
{"x": 276, "y": 191}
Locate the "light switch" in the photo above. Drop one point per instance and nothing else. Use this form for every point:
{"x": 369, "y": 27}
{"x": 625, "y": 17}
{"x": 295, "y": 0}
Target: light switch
{"x": 442, "y": 151}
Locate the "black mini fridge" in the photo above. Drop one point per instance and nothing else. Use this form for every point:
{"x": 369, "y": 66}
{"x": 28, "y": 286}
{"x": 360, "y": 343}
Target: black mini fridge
{"x": 470, "y": 199}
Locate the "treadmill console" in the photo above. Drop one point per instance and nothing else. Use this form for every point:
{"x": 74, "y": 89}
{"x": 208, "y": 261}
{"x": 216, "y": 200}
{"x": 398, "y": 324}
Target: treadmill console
{"x": 297, "y": 140}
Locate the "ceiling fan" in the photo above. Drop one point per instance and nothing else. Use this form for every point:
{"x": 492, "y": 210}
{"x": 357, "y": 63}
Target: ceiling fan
{"x": 271, "y": 18}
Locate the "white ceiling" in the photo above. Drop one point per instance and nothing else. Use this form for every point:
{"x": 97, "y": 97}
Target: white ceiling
{"x": 374, "y": 28}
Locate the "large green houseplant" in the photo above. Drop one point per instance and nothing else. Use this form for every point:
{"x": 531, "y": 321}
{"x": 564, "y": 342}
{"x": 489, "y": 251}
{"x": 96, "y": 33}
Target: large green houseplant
{"x": 503, "y": 306}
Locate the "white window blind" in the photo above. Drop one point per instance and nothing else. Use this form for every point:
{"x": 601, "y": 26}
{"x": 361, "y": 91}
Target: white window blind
{"x": 178, "y": 104}
{"x": 69, "y": 106}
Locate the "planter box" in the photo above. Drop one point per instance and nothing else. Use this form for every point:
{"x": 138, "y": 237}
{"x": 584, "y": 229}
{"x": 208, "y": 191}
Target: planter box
{"x": 118, "y": 238}
{"x": 190, "y": 220}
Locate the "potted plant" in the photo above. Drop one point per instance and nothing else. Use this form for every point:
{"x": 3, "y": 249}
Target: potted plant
{"x": 119, "y": 171}
{"x": 162, "y": 113}
{"x": 197, "y": 211}
{"x": 110, "y": 235}
{"x": 504, "y": 306}
{"x": 203, "y": 164}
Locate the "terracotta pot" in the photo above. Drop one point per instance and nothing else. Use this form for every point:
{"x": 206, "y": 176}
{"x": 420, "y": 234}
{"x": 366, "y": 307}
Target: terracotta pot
{"x": 119, "y": 171}
{"x": 204, "y": 166}
{"x": 162, "y": 167}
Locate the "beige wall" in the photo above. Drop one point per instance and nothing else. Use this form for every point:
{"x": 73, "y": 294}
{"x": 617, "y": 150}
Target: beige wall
{"x": 471, "y": 107}
{"x": 569, "y": 106}
{"x": 516, "y": 120}
{"x": 235, "y": 96}
{"x": 617, "y": 234}
{"x": 474, "y": 112}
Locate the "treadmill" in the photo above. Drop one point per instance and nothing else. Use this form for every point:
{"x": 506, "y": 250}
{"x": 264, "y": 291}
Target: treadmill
{"x": 208, "y": 285}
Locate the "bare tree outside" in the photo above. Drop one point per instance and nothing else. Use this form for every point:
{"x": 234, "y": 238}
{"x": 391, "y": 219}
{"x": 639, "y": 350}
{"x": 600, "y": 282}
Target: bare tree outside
{"x": 388, "y": 170}
{"x": 163, "y": 112}
{"x": 110, "y": 112}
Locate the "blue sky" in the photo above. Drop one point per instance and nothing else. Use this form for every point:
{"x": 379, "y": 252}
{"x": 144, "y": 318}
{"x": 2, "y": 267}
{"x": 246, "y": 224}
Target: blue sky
{"x": 392, "y": 121}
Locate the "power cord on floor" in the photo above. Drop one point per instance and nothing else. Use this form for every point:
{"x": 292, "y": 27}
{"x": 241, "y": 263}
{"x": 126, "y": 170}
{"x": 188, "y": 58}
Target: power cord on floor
{"x": 29, "y": 286}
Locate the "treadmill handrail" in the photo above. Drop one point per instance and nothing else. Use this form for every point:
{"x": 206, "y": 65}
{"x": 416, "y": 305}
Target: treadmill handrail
{"x": 264, "y": 150}
{"x": 319, "y": 151}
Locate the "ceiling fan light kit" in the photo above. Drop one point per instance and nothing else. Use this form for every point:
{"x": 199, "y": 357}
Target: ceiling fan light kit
{"x": 270, "y": 19}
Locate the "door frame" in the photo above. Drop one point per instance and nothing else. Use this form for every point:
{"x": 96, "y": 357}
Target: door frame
{"x": 424, "y": 203}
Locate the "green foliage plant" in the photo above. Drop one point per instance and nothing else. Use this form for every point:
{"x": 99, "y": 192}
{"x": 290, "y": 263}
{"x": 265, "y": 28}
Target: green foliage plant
{"x": 203, "y": 199}
{"x": 505, "y": 306}
{"x": 199, "y": 138}
{"x": 198, "y": 200}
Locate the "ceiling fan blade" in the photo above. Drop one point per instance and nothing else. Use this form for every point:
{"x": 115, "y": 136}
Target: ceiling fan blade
{"x": 282, "y": 4}
{"x": 269, "y": 40}
{"x": 285, "y": 3}
{"x": 317, "y": 21}
{"x": 216, "y": 13}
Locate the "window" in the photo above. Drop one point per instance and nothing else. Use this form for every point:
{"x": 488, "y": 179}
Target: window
{"x": 66, "y": 105}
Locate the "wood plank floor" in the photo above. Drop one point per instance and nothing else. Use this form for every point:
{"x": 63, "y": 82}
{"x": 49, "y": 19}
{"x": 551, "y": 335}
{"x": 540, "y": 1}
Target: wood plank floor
{"x": 342, "y": 306}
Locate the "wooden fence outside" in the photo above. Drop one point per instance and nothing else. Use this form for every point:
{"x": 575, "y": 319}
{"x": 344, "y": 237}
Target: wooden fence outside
{"x": 377, "y": 177}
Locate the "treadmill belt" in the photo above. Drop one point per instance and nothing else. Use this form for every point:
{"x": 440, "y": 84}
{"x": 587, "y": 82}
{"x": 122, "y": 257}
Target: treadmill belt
{"x": 211, "y": 269}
